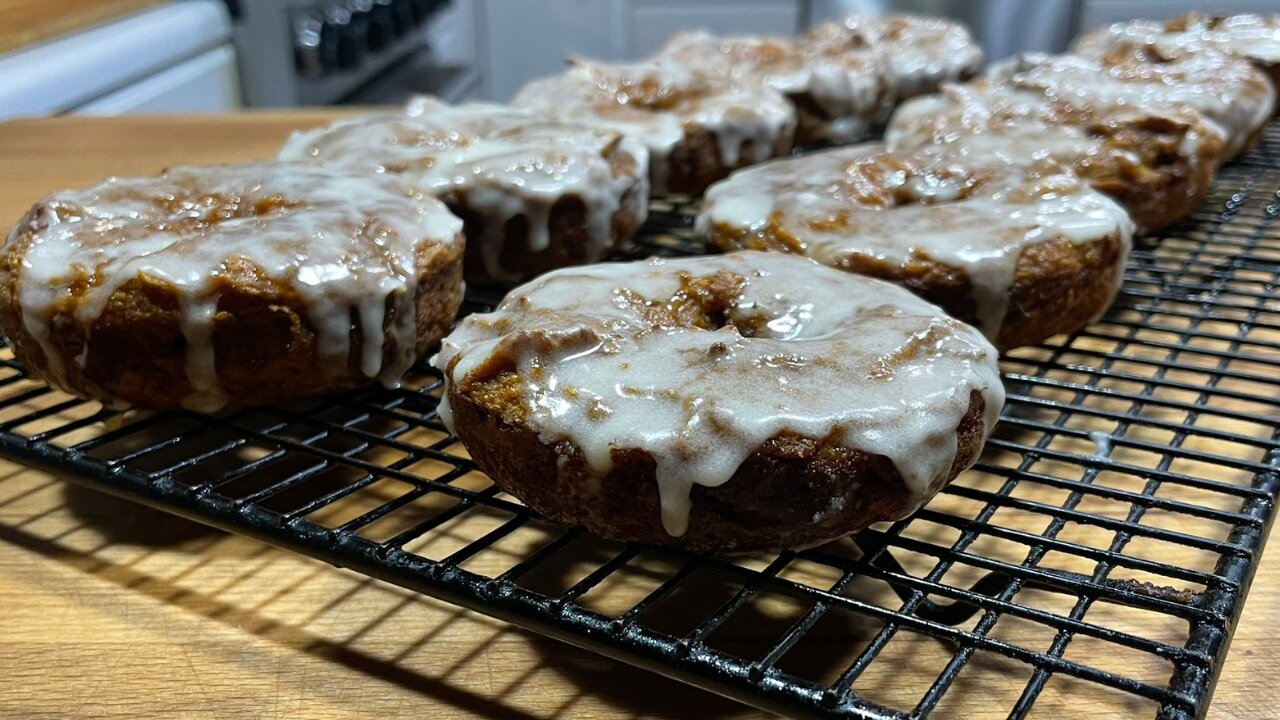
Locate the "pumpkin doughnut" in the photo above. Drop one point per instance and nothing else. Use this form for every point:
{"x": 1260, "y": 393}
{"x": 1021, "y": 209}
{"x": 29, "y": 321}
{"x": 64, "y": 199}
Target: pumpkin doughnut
{"x": 1226, "y": 90}
{"x": 697, "y": 127}
{"x": 841, "y": 92}
{"x": 734, "y": 402}
{"x": 216, "y": 287}
{"x": 1255, "y": 38}
{"x": 534, "y": 194}
{"x": 1024, "y": 251}
{"x": 1158, "y": 162}
{"x": 921, "y": 52}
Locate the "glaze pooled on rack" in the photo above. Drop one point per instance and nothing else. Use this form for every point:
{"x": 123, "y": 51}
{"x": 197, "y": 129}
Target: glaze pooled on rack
{"x": 697, "y": 363}
{"x": 578, "y": 192}
{"x": 956, "y": 228}
{"x": 187, "y": 261}
{"x": 696, "y": 126}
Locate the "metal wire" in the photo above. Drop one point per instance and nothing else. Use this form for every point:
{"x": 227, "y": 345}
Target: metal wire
{"x": 1135, "y": 469}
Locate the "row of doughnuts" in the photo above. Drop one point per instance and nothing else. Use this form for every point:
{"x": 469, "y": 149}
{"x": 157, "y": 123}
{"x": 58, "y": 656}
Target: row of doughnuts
{"x": 704, "y": 105}
{"x": 1010, "y": 201}
{"x": 756, "y": 400}
{"x": 361, "y": 258}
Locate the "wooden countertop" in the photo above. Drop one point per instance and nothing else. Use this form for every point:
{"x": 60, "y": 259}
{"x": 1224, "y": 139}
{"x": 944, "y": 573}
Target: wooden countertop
{"x": 110, "y": 610}
{"x": 26, "y": 22}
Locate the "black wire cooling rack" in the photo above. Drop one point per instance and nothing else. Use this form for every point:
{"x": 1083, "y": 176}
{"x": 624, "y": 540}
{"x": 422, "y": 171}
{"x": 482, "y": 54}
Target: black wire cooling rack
{"x": 1118, "y": 513}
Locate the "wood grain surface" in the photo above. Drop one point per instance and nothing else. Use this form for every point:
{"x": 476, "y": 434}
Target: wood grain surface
{"x": 112, "y": 610}
{"x": 26, "y": 22}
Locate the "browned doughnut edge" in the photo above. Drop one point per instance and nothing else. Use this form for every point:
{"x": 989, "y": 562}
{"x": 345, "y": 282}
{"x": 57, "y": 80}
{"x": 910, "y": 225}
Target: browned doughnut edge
{"x": 570, "y": 240}
{"x": 1059, "y": 286}
{"x": 264, "y": 345}
{"x": 1165, "y": 185}
{"x": 568, "y": 231}
{"x": 792, "y": 492}
{"x": 694, "y": 163}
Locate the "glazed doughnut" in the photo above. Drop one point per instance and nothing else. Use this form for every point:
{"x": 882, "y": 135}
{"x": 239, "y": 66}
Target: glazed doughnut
{"x": 1156, "y": 162}
{"x": 1255, "y": 38}
{"x": 534, "y": 194}
{"x": 697, "y": 127}
{"x": 227, "y": 286}
{"x": 840, "y": 92}
{"x": 921, "y": 52}
{"x": 1226, "y": 90}
{"x": 1023, "y": 251}
{"x": 735, "y": 402}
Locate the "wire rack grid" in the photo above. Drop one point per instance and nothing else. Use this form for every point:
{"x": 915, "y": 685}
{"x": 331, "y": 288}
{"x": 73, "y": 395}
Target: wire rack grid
{"x": 1104, "y": 542}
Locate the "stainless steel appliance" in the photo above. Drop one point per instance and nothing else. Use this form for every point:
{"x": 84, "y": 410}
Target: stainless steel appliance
{"x": 323, "y": 52}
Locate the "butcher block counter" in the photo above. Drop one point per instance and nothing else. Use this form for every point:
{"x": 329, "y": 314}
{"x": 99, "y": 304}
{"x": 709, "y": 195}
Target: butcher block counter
{"x": 112, "y": 610}
{"x": 25, "y": 23}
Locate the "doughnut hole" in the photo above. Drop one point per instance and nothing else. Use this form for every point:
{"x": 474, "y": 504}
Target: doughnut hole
{"x": 704, "y": 302}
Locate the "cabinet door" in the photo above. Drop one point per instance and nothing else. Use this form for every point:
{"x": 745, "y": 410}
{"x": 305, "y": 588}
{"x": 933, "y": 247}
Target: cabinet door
{"x": 653, "y": 21}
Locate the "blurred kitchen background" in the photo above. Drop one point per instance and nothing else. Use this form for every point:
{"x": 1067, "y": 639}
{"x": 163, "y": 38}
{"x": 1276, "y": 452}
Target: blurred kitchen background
{"x": 173, "y": 56}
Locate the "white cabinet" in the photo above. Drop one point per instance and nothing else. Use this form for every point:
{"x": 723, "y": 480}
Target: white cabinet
{"x": 651, "y": 22}
{"x": 519, "y": 40}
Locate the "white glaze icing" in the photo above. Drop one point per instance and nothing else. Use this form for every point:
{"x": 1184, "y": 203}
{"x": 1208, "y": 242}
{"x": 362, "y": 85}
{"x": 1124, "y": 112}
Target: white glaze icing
{"x": 658, "y": 102}
{"x": 344, "y": 244}
{"x": 972, "y": 213}
{"x": 851, "y": 83}
{"x": 501, "y": 162}
{"x": 1253, "y": 37}
{"x": 831, "y": 353}
{"x": 921, "y": 52}
{"x": 1226, "y": 90}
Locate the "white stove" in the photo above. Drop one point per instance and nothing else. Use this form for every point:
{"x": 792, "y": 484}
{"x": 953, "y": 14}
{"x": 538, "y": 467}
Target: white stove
{"x": 176, "y": 57}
